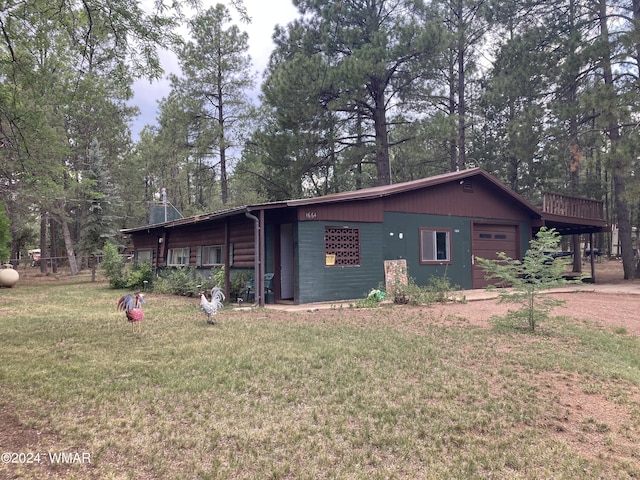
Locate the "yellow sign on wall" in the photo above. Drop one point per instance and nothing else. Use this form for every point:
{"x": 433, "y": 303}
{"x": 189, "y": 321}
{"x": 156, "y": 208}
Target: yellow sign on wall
{"x": 330, "y": 259}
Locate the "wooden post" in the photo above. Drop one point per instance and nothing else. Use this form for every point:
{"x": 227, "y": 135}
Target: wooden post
{"x": 260, "y": 290}
{"x": 227, "y": 259}
{"x": 593, "y": 262}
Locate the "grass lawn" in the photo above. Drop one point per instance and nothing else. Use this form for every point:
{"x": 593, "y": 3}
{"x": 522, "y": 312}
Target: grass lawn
{"x": 338, "y": 394}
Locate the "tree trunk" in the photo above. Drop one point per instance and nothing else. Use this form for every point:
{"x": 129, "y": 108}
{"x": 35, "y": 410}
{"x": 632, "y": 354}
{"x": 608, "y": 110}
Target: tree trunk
{"x": 577, "y": 254}
{"x": 44, "y": 251}
{"x": 383, "y": 166}
{"x": 223, "y": 145}
{"x": 68, "y": 243}
{"x": 54, "y": 246}
{"x": 462, "y": 107}
{"x": 617, "y": 165}
{"x": 453, "y": 157}
{"x": 624, "y": 225}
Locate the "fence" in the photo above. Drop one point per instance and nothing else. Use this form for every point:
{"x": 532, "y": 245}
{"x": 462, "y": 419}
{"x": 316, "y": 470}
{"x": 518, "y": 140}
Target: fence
{"x": 52, "y": 263}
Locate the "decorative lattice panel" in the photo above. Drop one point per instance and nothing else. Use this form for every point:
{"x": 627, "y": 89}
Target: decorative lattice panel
{"x": 344, "y": 243}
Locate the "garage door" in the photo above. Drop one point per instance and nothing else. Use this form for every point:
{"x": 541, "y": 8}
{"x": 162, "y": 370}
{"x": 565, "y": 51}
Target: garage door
{"x": 488, "y": 240}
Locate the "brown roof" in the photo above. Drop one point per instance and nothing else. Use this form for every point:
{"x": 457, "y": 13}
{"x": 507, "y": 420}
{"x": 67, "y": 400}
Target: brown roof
{"x": 387, "y": 190}
{"x": 363, "y": 194}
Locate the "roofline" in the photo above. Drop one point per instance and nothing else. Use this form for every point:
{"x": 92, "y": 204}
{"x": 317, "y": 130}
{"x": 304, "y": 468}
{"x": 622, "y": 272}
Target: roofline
{"x": 387, "y": 190}
{"x": 355, "y": 195}
{"x": 203, "y": 217}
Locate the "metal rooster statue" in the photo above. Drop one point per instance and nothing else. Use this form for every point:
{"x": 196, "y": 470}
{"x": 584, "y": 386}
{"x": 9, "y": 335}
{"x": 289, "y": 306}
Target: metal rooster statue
{"x": 211, "y": 307}
{"x": 131, "y": 305}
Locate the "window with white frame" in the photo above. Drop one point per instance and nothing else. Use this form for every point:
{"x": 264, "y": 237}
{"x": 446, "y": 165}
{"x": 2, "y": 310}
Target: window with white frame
{"x": 178, "y": 256}
{"x": 144, "y": 256}
{"x": 212, "y": 255}
{"x": 435, "y": 245}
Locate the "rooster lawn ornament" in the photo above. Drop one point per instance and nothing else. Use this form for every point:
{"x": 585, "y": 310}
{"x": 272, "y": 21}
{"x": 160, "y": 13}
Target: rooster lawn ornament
{"x": 131, "y": 305}
{"x": 211, "y": 307}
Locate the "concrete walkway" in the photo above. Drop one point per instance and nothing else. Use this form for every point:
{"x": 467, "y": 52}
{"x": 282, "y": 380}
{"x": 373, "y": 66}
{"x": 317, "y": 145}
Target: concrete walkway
{"x": 474, "y": 296}
{"x": 620, "y": 289}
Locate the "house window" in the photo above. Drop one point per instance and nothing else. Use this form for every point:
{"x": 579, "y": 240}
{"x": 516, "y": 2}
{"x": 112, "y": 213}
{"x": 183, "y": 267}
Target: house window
{"x": 144, "y": 256}
{"x": 213, "y": 255}
{"x": 435, "y": 245}
{"x": 343, "y": 245}
{"x": 178, "y": 256}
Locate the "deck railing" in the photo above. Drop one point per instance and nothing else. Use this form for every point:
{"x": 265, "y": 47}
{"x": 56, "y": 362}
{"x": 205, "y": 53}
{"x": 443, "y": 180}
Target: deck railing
{"x": 558, "y": 204}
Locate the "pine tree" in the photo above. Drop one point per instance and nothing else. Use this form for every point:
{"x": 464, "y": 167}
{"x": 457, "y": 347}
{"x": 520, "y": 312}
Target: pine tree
{"x": 99, "y": 224}
{"x": 364, "y": 60}
{"x": 538, "y": 271}
{"x": 217, "y": 75}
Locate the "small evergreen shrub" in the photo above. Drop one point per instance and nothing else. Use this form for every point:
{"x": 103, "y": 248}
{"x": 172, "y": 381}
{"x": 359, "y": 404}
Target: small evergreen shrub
{"x": 185, "y": 281}
{"x": 538, "y": 271}
{"x": 239, "y": 283}
{"x": 114, "y": 266}
{"x": 139, "y": 274}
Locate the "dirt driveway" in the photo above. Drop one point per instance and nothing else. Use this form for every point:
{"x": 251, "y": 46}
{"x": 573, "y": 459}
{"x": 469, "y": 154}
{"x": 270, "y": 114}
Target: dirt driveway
{"x": 607, "y": 304}
{"x": 612, "y": 303}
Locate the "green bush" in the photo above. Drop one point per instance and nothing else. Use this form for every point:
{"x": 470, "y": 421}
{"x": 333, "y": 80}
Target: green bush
{"x": 217, "y": 274}
{"x": 114, "y": 267}
{"x": 407, "y": 294}
{"x": 440, "y": 290}
{"x": 185, "y": 281}
{"x": 139, "y": 274}
{"x": 238, "y": 283}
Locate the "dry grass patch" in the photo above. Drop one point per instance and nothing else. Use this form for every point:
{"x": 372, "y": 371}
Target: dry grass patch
{"x": 394, "y": 392}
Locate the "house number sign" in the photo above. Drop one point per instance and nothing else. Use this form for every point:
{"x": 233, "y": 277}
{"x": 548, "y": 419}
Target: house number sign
{"x": 311, "y": 215}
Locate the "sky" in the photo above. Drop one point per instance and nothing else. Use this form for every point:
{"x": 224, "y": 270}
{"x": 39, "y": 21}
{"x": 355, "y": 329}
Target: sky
{"x": 265, "y": 15}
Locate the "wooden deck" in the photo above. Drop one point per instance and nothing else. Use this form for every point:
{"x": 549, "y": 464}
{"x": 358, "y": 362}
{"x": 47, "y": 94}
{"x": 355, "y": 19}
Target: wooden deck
{"x": 576, "y": 207}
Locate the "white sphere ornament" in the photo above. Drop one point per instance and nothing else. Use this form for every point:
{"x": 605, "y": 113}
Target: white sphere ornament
{"x": 8, "y": 277}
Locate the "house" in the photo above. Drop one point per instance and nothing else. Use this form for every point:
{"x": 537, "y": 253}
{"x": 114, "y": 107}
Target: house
{"x": 334, "y": 247}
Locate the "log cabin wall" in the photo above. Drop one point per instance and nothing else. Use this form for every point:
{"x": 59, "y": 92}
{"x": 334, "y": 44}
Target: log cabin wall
{"x": 146, "y": 241}
{"x": 241, "y": 236}
{"x": 240, "y": 233}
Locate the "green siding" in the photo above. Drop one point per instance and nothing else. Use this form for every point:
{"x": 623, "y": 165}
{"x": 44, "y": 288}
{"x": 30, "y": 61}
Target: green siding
{"x": 317, "y": 282}
{"x": 459, "y": 271}
{"x": 408, "y": 247}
